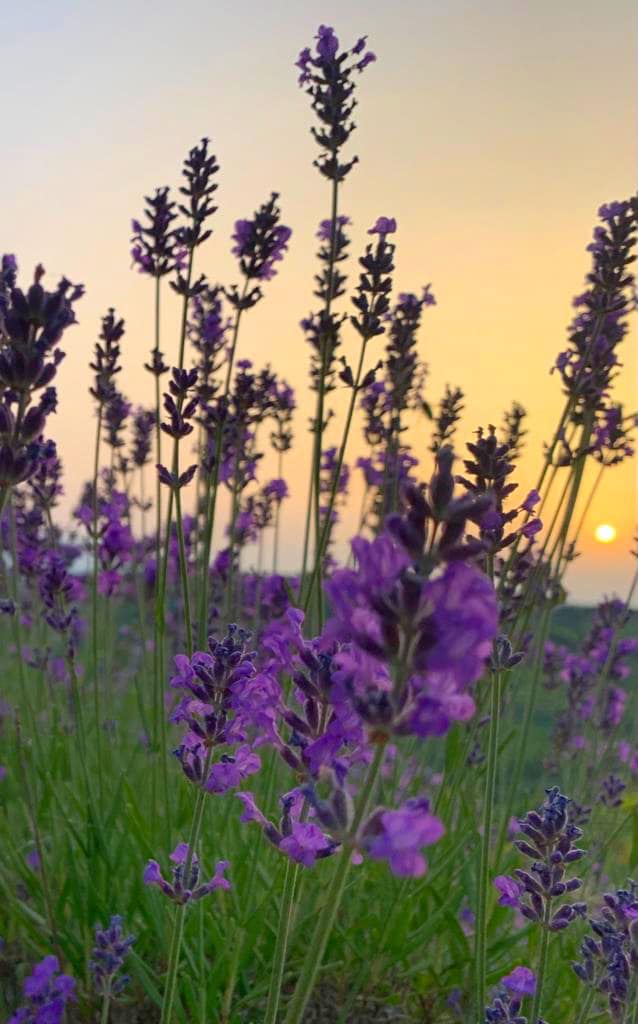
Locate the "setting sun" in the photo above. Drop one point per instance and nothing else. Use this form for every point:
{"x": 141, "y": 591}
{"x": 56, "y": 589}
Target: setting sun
{"x": 605, "y": 533}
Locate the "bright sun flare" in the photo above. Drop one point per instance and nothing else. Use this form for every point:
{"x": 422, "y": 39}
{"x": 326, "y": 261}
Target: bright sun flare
{"x": 605, "y": 533}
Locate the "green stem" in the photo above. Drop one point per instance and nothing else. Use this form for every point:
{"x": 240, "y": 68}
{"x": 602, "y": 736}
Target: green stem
{"x": 35, "y": 828}
{"x": 314, "y": 491}
{"x": 589, "y": 502}
{"x": 94, "y": 609}
{"x": 583, "y": 1014}
{"x": 183, "y": 570}
{"x": 275, "y": 543}
{"x": 317, "y": 946}
{"x": 180, "y": 911}
{"x": 230, "y": 582}
{"x": 202, "y": 615}
{"x": 324, "y": 537}
{"x": 286, "y": 914}
{"x": 521, "y": 748}
{"x": 484, "y": 864}
{"x": 307, "y": 528}
{"x": 542, "y": 963}
{"x": 568, "y": 408}
{"x": 561, "y": 540}
{"x": 238, "y": 944}
{"x": 104, "y": 1016}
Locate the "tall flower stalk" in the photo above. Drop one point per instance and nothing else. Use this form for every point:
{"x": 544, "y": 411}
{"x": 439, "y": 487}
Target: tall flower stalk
{"x": 326, "y": 75}
{"x": 105, "y": 366}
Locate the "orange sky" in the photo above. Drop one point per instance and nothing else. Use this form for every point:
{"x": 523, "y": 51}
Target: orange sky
{"x": 492, "y": 131}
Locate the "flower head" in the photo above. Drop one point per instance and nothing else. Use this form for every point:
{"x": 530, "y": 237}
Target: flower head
{"x": 399, "y": 837}
{"x": 108, "y": 956}
{"x": 184, "y": 886}
{"x": 46, "y": 993}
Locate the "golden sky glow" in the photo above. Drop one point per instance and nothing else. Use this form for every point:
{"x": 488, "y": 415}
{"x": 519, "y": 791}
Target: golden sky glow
{"x": 491, "y": 131}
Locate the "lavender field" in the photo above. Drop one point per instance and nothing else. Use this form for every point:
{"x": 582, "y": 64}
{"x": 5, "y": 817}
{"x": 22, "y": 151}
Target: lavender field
{"x": 395, "y": 785}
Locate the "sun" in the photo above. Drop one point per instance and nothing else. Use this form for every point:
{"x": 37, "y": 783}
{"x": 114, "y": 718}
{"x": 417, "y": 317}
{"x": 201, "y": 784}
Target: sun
{"x": 605, "y": 533}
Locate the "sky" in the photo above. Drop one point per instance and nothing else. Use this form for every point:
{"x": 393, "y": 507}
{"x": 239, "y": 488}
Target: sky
{"x": 492, "y": 131}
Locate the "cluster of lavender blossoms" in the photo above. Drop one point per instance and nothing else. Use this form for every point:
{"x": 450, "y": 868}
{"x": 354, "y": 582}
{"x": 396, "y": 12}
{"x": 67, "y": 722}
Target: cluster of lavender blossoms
{"x": 46, "y": 994}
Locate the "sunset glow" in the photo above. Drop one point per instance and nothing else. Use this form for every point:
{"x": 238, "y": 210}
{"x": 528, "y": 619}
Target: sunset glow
{"x": 605, "y": 533}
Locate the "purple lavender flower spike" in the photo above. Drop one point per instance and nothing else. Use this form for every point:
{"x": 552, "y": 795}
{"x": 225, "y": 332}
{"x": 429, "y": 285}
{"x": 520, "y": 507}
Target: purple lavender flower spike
{"x": 108, "y": 955}
{"x": 549, "y": 842}
{"x": 327, "y": 77}
{"x": 260, "y": 243}
{"x": 155, "y": 246}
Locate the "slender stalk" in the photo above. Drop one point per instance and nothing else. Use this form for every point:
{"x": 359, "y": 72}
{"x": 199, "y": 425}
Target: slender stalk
{"x": 321, "y": 399}
{"x": 561, "y": 540}
{"x": 324, "y": 536}
{"x": 16, "y": 628}
{"x": 286, "y": 914}
{"x": 317, "y": 946}
{"x": 307, "y": 531}
{"x": 275, "y": 543}
{"x": 94, "y": 608}
{"x": 521, "y": 746}
{"x": 180, "y": 911}
{"x": 183, "y": 569}
{"x": 230, "y": 582}
{"x": 157, "y": 675}
{"x": 162, "y": 564}
{"x": 568, "y": 408}
{"x": 106, "y": 1003}
{"x": 542, "y": 963}
{"x": 37, "y": 837}
{"x": 589, "y": 502}
{"x": 484, "y": 863}
{"x": 202, "y": 615}
{"x": 158, "y": 432}
{"x": 583, "y": 1013}
{"x": 238, "y": 943}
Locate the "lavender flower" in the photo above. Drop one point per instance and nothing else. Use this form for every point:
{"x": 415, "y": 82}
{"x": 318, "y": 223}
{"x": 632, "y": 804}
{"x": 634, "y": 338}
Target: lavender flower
{"x": 108, "y": 956}
{"x": 106, "y": 360}
{"x": 589, "y": 364}
{"x": 399, "y": 836}
{"x": 301, "y": 841}
{"x": 155, "y": 244}
{"x": 513, "y": 429}
{"x": 609, "y": 957}
{"x": 384, "y": 609}
{"x": 46, "y": 993}
{"x": 200, "y": 168}
{"x": 506, "y": 1005}
{"x": 447, "y": 418}
{"x": 185, "y": 889}
{"x": 143, "y": 425}
{"x": 260, "y": 243}
{"x": 32, "y": 325}
{"x": 327, "y": 77}
{"x": 550, "y": 843}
